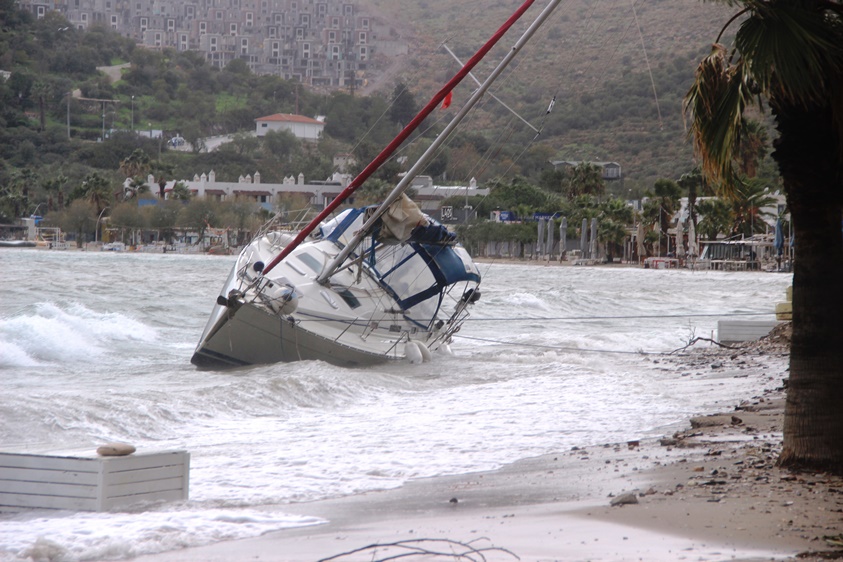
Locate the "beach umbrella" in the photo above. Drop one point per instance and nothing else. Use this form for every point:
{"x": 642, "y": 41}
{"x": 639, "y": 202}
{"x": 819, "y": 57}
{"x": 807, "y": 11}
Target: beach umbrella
{"x": 693, "y": 250}
{"x": 540, "y": 249}
{"x": 584, "y": 237}
{"x": 779, "y": 240}
{"x": 593, "y": 250}
{"x": 549, "y": 240}
{"x": 563, "y": 237}
{"x": 639, "y": 236}
{"x": 680, "y": 242}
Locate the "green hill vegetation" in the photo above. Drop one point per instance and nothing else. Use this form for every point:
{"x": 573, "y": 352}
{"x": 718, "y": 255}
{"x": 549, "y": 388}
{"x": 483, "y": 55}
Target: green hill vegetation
{"x": 71, "y": 135}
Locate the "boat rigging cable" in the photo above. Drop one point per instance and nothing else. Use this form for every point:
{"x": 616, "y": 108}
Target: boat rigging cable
{"x": 647, "y": 60}
{"x": 478, "y": 94}
{"x": 402, "y": 136}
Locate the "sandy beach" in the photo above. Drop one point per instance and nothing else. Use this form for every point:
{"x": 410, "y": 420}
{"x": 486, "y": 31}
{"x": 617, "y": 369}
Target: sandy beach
{"x": 709, "y": 491}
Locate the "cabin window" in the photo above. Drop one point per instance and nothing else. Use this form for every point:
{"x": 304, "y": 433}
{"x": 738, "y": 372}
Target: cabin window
{"x": 349, "y": 298}
{"x": 310, "y": 262}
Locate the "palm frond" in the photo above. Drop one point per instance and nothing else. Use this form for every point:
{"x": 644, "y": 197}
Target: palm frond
{"x": 790, "y": 49}
{"x": 715, "y": 103}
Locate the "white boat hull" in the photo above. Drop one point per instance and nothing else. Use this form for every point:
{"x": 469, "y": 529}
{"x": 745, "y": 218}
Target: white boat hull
{"x": 252, "y": 335}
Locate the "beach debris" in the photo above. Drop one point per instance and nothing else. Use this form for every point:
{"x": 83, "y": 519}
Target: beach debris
{"x": 454, "y": 500}
{"x": 624, "y": 499}
{"x": 472, "y": 551}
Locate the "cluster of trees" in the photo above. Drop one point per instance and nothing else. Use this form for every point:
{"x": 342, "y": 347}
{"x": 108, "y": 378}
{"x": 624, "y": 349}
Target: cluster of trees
{"x": 580, "y": 193}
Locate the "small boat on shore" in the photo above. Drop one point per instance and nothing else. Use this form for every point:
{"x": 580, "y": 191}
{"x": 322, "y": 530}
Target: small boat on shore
{"x": 365, "y": 286}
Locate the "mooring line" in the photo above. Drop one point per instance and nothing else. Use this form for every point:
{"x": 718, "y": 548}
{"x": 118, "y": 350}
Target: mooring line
{"x": 582, "y": 318}
{"x": 571, "y": 349}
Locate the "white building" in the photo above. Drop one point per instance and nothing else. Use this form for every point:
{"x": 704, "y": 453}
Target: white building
{"x": 319, "y": 193}
{"x": 304, "y": 128}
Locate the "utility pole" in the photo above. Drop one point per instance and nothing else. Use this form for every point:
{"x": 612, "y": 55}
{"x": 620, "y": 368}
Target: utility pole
{"x": 69, "y": 95}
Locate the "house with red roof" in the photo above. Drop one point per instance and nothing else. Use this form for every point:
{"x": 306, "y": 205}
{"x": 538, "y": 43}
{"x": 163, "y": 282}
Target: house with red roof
{"x": 304, "y": 128}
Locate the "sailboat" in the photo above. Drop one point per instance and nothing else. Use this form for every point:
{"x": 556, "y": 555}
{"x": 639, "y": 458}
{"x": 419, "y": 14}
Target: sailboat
{"x": 365, "y": 286}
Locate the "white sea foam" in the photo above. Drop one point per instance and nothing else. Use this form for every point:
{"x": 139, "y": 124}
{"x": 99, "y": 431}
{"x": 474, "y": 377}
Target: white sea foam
{"x": 49, "y": 333}
{"x": 534, "y": 371}
{"x": 100, "y": 536}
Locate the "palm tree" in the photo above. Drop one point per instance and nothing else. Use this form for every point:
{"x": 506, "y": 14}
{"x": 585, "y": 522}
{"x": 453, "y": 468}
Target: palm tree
{"x": 662, "y": 207}
{"x": 181, "y": 192}
{"x": 612, "y": 234}
{"x": 715, "y": 218}
{"x": 747, "y": 203}
{"x": 790, "y": 53}
{"x": 42, "y": 91}
{"x": 586, "y": 179}
{"x": 55, "y": 186}
{"x": 135, "y": 187}
{"x": 163, "y": 171}
{"x": 135, "y": 164}
{"x": 615, "y": 217}
{"x": 96, "y": 190}
{"x": 752, "y": 146}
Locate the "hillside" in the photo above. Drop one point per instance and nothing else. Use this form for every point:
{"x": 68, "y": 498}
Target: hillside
{"x": 592, "y": 55}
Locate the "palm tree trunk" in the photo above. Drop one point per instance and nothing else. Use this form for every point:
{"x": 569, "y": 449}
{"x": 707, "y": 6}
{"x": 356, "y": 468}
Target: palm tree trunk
{"x": 813, "y": 425}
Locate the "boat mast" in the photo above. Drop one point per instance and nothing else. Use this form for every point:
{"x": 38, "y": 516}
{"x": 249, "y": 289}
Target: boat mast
{"x": 402, "y": 136}
{"x": 434, "y": 146}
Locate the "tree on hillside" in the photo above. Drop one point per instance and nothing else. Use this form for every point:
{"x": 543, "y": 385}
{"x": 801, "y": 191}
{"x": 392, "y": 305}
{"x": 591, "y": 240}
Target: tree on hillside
{"x": 404, "y": 106}
{"x": 790, "y": 54}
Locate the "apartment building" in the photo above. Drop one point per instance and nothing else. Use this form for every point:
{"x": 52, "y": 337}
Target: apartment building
{"x": 322, "y": 43}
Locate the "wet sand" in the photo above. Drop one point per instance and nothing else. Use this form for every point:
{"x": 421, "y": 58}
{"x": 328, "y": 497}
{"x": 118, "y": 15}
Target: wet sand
{"x": 709, "y": 491}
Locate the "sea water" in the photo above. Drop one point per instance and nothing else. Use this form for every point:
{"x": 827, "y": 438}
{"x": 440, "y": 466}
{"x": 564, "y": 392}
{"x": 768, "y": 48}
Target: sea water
{"x": 95, "y": 347}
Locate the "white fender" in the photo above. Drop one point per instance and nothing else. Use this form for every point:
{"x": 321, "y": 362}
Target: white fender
{"x": 426, "y": 355}
{"x": 413, "y": 353}
{"x": 283, "y": 298}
